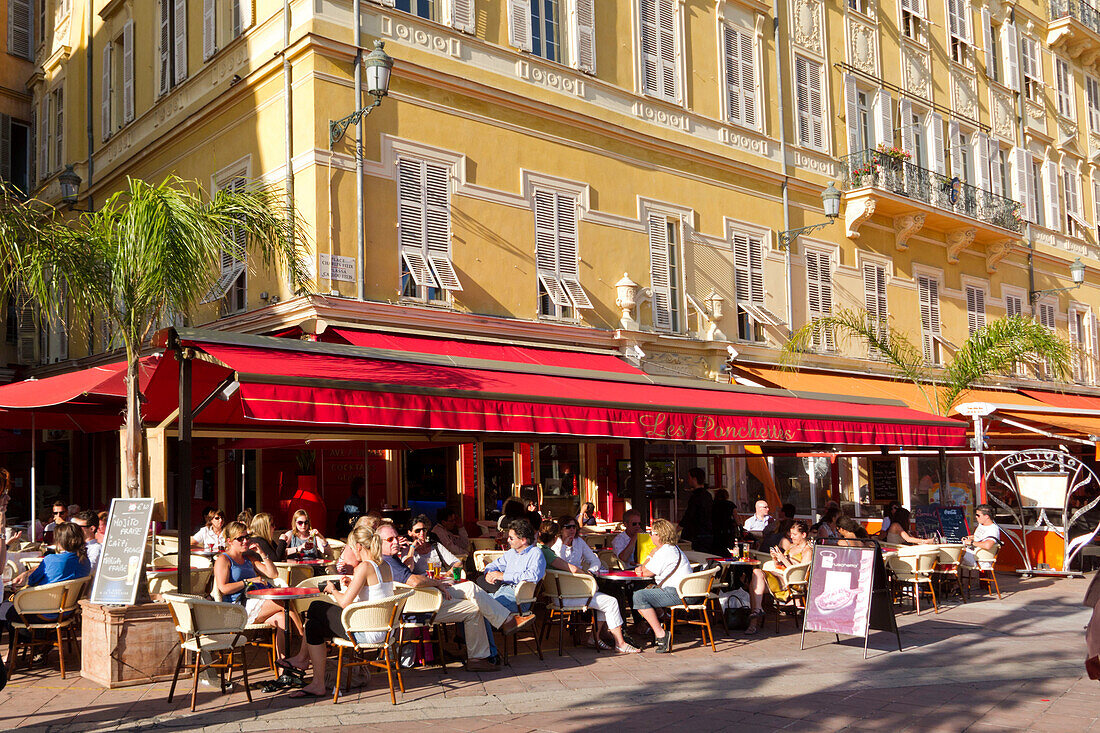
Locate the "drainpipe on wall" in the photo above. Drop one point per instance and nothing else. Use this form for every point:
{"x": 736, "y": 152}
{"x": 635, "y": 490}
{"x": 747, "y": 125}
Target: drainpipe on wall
{"x": 90, "y": 133}
{"x": 780, "y": 94}
{"x": 288, "y": 122}
{"x": 1027, "y": 174}
{"x": 360, "y": 238}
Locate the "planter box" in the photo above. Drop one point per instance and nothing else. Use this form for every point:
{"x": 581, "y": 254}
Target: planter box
{"x": 127, "y": 645}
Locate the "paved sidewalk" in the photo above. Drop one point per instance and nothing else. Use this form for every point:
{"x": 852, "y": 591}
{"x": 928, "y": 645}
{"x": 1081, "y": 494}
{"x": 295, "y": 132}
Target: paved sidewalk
{"x": 1014, "y": 664}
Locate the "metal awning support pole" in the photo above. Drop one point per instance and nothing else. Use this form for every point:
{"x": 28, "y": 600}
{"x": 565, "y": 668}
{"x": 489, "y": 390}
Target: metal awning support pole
{"x": 979, "y": 460}
{"x": 183, "y": 473}
{"x": 637, "y": 479}
{"x": 34, "y": 481}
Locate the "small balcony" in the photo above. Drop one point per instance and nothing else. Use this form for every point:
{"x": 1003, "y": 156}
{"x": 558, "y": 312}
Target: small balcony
{"x": 877, "y": 183}
{"x": 1074, "y": 23}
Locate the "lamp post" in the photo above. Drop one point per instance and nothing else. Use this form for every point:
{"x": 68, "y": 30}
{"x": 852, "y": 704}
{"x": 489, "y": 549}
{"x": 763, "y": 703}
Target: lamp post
{"x": 378, "y": 65}
{"x": 1076, "y": 273}
{"x": 830, "y": 199}
{"x": 70, "y": 186}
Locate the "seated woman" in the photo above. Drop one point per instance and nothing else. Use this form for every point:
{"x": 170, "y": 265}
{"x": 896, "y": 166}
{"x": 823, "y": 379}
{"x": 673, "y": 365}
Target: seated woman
{"x": 587, "y": 517}
{"x": 607, "y": 609}
{"x": 262, "y": 530}
{"x": 826, "y": 529}
{"x": 349, "y": 557}
{"x": 667, "y": 565}
{"x": 236, "y": 573}
{"x": 763, "y": 582}
{"x": 211, "y": 536}
{"x": 850, "y": 532}
{"x": 888, "y": 517}
{"x": 301, "y": 541}
{"x": 898, "y": 532}
{"x": 370, "y": 581}
{"x": 570, "y": 547}
{"x": 70, "y": 562}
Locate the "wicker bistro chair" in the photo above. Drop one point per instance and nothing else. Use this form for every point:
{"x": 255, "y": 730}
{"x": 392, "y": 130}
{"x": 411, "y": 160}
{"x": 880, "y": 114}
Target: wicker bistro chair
{"x": 213, "y": 628}
{"x": 198, "y": 562}
{"x": 947, "y": 568}
{"x": 162, "y": 583}
{"x": 383, "y": 616}
{"x": 527, "y": 595}
{"x": 32, "y": 603}
{"x": 610, "y": 560}
{"x": 793, "y": 579}
{"x": 695, "y": 597}
{"x": 419, "y": 615}
{"x": 483, "y": 557}
{"x": 478, "y": 544}
{"x": 913, "y": 570}
{"x": 986, "y": 560}
{"x": 562, "y": 591}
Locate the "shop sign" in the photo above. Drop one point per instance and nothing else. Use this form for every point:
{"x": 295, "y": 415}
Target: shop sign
{"x": 122, "y": 561}
{"x": 337, "y": 268}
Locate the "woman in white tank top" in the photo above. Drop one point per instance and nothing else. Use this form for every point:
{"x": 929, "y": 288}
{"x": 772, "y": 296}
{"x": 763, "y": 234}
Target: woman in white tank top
{"x": 371, "y": 581}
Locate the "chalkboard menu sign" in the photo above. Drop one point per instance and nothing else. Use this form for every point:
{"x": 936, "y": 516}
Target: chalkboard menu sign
{"x": 925, "y": 520}
{"x": 949, "y": 521}
{"x": 884, "y": 480}
{"x": 122, "y": 560}
{"x": 953, "y": 523}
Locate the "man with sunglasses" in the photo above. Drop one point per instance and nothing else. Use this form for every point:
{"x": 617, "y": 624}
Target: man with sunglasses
{"x": 60, "y": 514}
{"x": 625, "y": 544}
{"x": 423, "y": 550}
{"x": 88, "y": 521}
{"x": 463, "y": 603}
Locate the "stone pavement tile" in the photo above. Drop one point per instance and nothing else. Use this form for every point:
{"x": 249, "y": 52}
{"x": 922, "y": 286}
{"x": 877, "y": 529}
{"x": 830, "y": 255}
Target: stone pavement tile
{"x": 1059, "y": 722}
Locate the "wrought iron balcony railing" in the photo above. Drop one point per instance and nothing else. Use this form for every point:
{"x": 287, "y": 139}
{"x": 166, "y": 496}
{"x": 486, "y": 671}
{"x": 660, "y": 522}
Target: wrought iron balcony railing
{"x": 880, "y": 170}
{"x": 1082, "y": 11}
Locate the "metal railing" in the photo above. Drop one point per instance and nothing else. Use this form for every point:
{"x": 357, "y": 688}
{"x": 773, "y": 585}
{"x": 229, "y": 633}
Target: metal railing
{"x": 1082, "y": 11}
{"x": 879, "y": 170}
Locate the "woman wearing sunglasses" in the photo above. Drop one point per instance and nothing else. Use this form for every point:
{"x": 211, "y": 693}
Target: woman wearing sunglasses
{"x": 236, "y": 573}
{"x": 301, "y": 541}
{"x": 574, "y": 550}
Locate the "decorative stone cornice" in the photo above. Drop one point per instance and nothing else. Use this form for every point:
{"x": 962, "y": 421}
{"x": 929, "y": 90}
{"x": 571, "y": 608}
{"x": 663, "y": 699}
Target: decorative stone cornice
{"x": 906, "y": 226}
{"x": 957, "y": 241}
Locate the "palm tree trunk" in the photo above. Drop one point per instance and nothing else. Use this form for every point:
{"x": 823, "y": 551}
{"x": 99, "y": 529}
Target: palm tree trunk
{"x": 133, "y": 428}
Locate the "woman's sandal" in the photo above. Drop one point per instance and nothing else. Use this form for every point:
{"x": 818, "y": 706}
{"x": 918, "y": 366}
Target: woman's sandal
{"x": 755, "y": 622}
{"x": 603, "y": 646}
{"x": 306, "y": 693}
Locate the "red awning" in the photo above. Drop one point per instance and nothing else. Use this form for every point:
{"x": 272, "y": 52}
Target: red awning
{"x": 1060, "y": 399}
{"x": 559, "y": 358}
{"x": 310, "y": 384}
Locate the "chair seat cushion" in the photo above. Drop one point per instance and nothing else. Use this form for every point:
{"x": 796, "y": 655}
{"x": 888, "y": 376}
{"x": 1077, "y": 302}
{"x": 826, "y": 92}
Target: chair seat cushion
{"x": 220, "y": 643}
{"x": 354, "y": 645}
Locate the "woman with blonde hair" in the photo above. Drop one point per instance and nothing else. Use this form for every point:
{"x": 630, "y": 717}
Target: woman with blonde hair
{"x": 236, "y": 573}
{"x": 349, "y": 558}
{"x": 371, "y": 581}
{"x": 262, "y": 529}
{"x": 301, "y": 541}
{"x": 667, "y": 565}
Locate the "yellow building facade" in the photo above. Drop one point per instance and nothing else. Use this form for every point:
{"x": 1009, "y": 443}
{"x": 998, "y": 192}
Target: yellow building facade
{"x": 611, "y": 173}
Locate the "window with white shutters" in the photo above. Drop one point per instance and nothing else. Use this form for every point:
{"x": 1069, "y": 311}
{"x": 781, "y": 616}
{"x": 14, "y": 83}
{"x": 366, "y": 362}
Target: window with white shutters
{"x": 1092, "y": 100}
{"x": 209, "y": 28}
{"x": 424, "y": 230}
{"x": 106, "y": 95}
{"x": 1010, "y": 56}
{"x": 546, "y": 29}
{"x": 1063, "y": 84}
{"x": 975, "y": 308}
{"x": 748, "y": 268}
{"x": 664, "y": 271}
{"x": 179, "y": 41}
{"x": 19, "y": 29}
{"x": 1035, "y": 191}
{"x": 958, "y": 30}
{"x": 659, "y": 52}
{"x": 584, "y": 35}
{"x": 1096, "y": 205}
{"x": 44, "y": 127}
{"x": 128, "y": 72}
{"x": 1076, "y": 226}
{"x": 874, "y": 298}
{"x": 912, "y": 19}
{"x": 1079, "y": 332}
{"x": 809, "y": 103}
{"x": 231, "y": 286}
{"x": 991, "y": 35}
{"x": 928, "y": 290}
{"x": 740, "y": 63}
{"x": 1045, "y": 312}
{"x": 556, "y": 255}
{"x": 421, "y": 8}
{"x": 1032, "y": 69}
{"x": 819, "y": 295}
{"x": 240, "y": 16}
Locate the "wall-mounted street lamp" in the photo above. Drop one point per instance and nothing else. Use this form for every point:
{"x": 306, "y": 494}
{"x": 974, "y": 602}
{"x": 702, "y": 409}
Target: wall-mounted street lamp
{"x": 830, "y": 199}
{"x": 70, "y": 186}
{"x": 377, "y": 65}
{"x": 1076, "y": 272}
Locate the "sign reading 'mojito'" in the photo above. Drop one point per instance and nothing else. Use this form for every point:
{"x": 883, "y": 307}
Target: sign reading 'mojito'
{"x": 122, "y": 560}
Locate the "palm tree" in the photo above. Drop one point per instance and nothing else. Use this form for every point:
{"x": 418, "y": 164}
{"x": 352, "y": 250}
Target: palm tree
{"x": 151, "y": 252}
{"x": 992, "y": 349}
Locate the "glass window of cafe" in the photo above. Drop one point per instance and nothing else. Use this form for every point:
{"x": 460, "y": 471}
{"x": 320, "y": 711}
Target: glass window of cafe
{"x": 431, "y": 475}
{"x": 804, "y": 482}
{"x": 559, "y": 467}
{"x": 926, "y": 486}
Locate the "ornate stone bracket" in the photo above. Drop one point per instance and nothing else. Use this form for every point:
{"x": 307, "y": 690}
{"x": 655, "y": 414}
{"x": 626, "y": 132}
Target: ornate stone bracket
{"x": 906, "y": 226}
{"x": 996, "y": 252}
{"x": 856, "y": 213}
{"x": 957, "y": 241}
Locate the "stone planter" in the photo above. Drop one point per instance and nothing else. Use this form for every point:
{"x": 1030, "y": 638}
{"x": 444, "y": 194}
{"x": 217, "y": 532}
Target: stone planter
{"x": 127, "y": 645}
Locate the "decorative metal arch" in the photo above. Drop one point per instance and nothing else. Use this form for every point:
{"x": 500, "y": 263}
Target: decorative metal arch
{"x": 1003, "y": 475}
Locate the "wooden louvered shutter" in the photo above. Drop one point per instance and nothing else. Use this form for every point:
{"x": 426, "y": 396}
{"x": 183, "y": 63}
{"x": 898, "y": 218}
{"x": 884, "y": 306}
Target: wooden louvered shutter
{"x": 935, "y": 128}
{"x": 660, "y": 277}
{"x": 546, "y": 247}
{"x": 586, "y": 35}
{"x": 462, "y": 16}
{"x": 1010, "y": 55}
{"x": 411, "y": 216}
{"x": 165, "y": 46}
{"x": 819, "y": 292}
{"x": 929, "y": 295}
{"x": 651, "y": 61}
{"x": 740, "y": 63}
{"x": 995, "y": 160}
{"x": 1054, "y": 203}
{"x": 568, "y": 253}
{"x": 19, "y": 29}
{"x": 106, "y": 93}
{"x": 209, "y": 28}
{"x": 666, "y": 29}
{"x": 519, "y": 24}
{"x": 975, "y": 309}
{"x": 128, "y": 72}
{"x": 908, "y": 134}
{"x": 987, "y": 42}
{"x": 980, "y": 142}
{"x": 1077, "y": 357}
{"x": 884, "y": 120}
{"x": 179, "y": 32}
{"x": 874, "y": 295}
{"x": 437, "y": 225}
{"x": 851, "y": 114}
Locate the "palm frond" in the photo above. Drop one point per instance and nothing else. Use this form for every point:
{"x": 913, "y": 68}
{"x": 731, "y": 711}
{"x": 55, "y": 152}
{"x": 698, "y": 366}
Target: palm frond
{"x": 856, "y": 324}
{"x": 994, "y": 348}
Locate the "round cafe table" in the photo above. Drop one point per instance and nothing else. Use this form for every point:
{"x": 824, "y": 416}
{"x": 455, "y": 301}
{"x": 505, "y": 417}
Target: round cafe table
{"x": 207, "y": 553}
{"x": 735, "y": 569}
{"x": 284, "y": 596}
{"x": 620, "y": 585}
